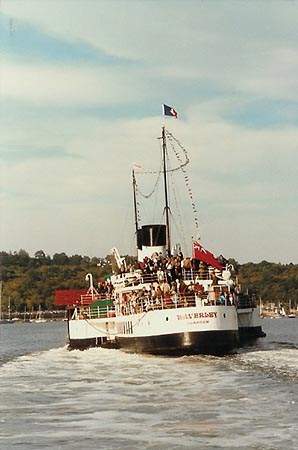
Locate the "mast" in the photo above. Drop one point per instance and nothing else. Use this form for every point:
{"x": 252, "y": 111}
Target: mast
{"x": 167, "y": 208}
{"x": 134, "y": 183}
{"x": 0, "y": 300}
{"x": 9, "y": 309}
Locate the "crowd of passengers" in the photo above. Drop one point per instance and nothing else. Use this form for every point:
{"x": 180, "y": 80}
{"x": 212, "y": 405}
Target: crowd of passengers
{"x": 174, "y": 295}
{"x": 171, "y": 268}
{"x": 169, "y": 289}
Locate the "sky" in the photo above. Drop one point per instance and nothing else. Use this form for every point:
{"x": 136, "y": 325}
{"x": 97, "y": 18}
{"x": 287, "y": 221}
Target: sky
{"x": 82, "y": 83}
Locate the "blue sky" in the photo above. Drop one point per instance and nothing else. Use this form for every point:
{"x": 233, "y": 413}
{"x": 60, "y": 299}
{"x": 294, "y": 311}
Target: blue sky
{"x": 82, "y": 84}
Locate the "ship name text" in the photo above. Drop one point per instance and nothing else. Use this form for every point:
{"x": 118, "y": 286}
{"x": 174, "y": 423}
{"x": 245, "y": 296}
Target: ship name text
{"x": 196, "y": 315}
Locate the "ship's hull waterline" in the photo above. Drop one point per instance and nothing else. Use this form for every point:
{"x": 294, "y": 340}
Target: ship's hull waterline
{"x": 189, "y": 331}
{"x": 177, "y": 344}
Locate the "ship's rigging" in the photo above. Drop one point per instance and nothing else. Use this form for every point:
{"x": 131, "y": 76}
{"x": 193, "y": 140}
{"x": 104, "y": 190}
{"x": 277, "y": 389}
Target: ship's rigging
{"x": 167, "y": 171}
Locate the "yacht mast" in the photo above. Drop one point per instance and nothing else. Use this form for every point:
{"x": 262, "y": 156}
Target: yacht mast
{"x": 0, "y": 300}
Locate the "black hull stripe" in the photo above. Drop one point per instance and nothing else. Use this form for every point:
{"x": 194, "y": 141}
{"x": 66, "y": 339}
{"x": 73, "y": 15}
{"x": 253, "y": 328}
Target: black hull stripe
{"x": 246, "y": 333}
{"x": 206, "y": 343}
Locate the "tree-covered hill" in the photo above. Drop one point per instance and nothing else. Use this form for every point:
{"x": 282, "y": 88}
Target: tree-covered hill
{"x": 31, "y": 281}
{"x": 276, "y": 283}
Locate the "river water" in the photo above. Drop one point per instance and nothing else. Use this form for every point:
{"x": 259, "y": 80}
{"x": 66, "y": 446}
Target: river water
{"x": 51, "y": 398}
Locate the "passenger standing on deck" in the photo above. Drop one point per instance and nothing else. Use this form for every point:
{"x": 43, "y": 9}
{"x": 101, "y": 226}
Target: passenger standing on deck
{"x": 159, "y": 296}
{"x": 187, "y": 268}
{"x": 222, "y": 299}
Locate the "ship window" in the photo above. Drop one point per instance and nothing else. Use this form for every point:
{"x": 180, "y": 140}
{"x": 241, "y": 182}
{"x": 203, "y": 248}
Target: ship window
{"x": 167, "y": 319}
{"x": 224, "y": 315}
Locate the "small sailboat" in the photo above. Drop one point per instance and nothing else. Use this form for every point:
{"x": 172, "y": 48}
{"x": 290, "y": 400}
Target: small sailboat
{"x": 39, "y": 318}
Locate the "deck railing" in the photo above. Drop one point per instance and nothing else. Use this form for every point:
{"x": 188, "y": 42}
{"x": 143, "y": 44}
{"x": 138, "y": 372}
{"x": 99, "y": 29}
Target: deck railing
{"x": 142, "y": 305}
{"x": 246, "y": 302}
{"x": 86, "y": 299}
{"x": 134, "y": 278}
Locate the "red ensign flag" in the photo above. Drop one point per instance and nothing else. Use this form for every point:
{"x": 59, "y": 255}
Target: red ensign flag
{"x": 204, "y": 255}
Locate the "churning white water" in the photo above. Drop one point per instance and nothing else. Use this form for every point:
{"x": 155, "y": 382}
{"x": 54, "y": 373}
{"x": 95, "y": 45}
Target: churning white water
{"x": 106, "y": 399}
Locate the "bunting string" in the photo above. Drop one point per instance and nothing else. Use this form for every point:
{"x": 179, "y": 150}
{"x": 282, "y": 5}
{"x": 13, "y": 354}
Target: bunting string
{"x": 182, "y": 165}
{"x": 154, "y": 187}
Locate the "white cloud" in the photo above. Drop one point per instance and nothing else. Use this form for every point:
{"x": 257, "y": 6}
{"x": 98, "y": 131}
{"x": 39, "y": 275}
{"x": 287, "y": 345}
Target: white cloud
{"x": 52, "y": 202}
{"x": 79, "y": 201}
{"x": 228, "y": 45}
{"x": 75, "y": 86}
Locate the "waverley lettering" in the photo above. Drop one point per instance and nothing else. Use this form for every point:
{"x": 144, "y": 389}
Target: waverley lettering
{"x": 201, "y": 315}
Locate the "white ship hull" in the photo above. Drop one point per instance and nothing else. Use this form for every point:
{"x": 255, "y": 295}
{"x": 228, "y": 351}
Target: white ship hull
{"x": 193, "y": 330}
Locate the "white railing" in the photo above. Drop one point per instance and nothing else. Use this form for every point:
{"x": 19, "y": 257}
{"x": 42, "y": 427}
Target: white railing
{"x": 145, "y": 304}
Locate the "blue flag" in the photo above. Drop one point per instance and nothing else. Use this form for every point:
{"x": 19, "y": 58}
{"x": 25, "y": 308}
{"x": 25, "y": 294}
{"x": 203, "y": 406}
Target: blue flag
{"x": 169, "y": 111}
